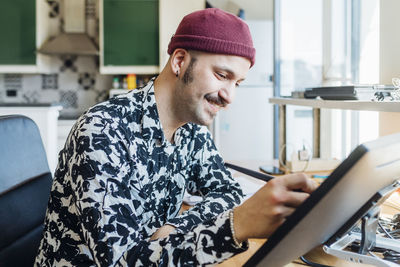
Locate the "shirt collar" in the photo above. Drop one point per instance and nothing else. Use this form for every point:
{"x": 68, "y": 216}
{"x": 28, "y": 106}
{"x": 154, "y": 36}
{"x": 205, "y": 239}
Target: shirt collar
{"x": 151, "y": 125}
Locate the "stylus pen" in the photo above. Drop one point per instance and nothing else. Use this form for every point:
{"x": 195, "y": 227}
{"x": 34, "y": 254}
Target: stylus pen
{"x": 258, "y": 175}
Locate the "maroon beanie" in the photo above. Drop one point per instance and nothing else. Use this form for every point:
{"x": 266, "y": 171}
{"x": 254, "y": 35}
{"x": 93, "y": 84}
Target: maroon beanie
{"x": 215, "y": 31}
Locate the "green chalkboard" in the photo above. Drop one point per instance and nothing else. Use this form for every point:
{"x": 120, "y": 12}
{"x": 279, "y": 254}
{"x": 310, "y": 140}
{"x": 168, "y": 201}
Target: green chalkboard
{"x": 131, "y": 33}
{"x": 17, "y": 32}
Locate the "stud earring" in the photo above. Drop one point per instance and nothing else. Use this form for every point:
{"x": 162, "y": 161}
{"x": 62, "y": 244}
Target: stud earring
{"x": 177, "y": 73}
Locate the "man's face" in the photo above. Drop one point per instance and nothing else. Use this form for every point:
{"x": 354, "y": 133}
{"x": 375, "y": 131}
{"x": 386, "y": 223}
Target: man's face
{"x": 207, "y": 85}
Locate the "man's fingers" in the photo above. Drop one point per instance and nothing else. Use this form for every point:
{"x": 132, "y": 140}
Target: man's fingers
{"x": 286, "y": 211}
{"x": 300, "y": 181}
{"x": 294, "y": 199}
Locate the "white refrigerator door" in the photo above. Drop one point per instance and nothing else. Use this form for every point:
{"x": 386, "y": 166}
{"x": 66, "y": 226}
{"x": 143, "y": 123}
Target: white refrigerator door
{"x": 260, "y": 73}
{"x": 245, "y": 129}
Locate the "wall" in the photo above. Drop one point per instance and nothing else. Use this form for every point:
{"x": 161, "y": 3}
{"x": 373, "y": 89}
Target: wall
{"x": 389, "y": 58}
{"x": 254, "y": 9}
{"x": 170, "y": 18}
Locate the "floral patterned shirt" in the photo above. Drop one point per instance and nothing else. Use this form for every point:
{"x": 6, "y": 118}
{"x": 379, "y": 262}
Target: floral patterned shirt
{"x": 118, "y": 180}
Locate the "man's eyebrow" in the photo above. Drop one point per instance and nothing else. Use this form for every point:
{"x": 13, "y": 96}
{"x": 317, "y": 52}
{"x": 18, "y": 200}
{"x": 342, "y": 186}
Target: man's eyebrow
{"x": 229, "y": 71}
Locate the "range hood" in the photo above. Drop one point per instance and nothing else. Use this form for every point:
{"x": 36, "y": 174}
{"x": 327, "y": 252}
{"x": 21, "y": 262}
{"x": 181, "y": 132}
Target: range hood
{"x": 74, "y": 40}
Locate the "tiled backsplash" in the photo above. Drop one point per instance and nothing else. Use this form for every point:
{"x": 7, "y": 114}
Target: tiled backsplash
{"x": 76, "y": 86}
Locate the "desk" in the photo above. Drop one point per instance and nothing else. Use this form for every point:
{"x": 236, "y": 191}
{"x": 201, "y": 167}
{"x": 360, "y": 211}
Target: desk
{"x": 317, "y": 254}
{"x": 390, "y": 207}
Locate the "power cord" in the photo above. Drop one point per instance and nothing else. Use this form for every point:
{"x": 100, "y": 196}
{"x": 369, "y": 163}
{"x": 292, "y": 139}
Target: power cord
{"x": 286, "y": 168}
{"x": 385, "y": 231}
{"x": 312, "y": 264}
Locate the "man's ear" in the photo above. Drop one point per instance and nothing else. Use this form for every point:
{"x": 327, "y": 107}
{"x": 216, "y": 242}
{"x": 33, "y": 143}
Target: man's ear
{"x": 178, "y": 58}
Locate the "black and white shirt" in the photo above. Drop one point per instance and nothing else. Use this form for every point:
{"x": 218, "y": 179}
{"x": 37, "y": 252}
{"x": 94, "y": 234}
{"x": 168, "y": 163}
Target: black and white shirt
{"x": 118, "y": 180}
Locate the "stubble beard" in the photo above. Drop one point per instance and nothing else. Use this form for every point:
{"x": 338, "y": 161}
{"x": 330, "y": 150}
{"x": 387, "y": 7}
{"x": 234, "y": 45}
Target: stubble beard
{"x": 193, "y": 109}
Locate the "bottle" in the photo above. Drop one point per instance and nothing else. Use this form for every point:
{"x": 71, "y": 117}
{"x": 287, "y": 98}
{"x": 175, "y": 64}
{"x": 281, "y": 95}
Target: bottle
{"x": 124, "y": 83}
{"x": 131, "y": 79}
{"x": 115, "y": 83}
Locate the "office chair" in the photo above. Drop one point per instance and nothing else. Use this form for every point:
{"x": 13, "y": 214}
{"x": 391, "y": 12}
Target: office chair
{"x": 25, "y": 182}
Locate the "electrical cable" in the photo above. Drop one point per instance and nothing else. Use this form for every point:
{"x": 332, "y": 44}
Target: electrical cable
{"x": 389, "y": 254}
{"x": 287, "y": 169}
{"x": 312, "y": 264}
{"x": 384, "y": 230}
{"x": 281, "y": 163}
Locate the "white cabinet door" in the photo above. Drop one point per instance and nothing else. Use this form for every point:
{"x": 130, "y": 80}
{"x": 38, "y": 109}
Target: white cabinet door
{"x": 64, "y": 127}
{"x": 46, "y": 120}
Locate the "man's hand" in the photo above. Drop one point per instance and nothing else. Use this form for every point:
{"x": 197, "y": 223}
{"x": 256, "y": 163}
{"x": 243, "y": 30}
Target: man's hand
{"x": 260, "y": 215}
{"x": 164, "y": 231}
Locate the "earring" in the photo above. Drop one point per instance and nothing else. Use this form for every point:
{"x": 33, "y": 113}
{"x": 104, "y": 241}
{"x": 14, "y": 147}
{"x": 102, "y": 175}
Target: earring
{"x": 177, "y": 73}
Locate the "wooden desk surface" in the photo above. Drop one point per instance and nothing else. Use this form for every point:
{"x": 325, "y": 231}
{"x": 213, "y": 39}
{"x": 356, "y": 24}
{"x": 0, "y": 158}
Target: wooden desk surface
{"x": 390, "y": 207}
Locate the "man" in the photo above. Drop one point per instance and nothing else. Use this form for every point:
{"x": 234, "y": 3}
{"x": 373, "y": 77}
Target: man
{"x": 122, "y": 174}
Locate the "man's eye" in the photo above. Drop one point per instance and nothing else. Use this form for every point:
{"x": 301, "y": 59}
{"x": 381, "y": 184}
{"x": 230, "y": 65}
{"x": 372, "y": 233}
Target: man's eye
{"x": 221, "y": 75}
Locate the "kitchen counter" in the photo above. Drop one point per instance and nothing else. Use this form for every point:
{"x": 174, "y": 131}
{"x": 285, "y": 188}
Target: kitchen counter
{"x": 30, "y": 105}
{"x": 68, "y": 117}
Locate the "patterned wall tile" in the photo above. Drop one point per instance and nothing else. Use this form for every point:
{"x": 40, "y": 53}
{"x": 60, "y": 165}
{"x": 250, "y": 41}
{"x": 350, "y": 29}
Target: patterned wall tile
{"x": 31, "y": 96}
{"x": 68, "y": 80}
{"x": 50, "y": 96}
{"x": 87, "y": 80}
{"x": 49, "y": 81}
{"x": 68, "y": 63}
{"x": 68, "y": 99}
{"x": 13, "y": 82}
{"x": 12, "y": 87}
{"x": 31, "y": 83}
{"x": 54, "y": 6}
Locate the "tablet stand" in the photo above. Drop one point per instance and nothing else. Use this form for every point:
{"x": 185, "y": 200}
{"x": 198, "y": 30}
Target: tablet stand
{"x": 367, "y": 239}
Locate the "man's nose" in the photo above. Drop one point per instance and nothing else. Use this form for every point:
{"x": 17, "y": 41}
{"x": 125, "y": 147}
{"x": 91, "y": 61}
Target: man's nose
{"x": 227, "y": 94}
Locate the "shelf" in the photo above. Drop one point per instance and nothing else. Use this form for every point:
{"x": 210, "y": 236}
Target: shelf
{"x": 393, "y": 106}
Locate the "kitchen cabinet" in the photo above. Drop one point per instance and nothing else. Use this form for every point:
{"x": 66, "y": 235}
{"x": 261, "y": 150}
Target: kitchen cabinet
{"x": 23, "y": 27}
{"x": 18, "y": 32}
{"x": 129, "y": 36}
{"x": 134, "y": 34}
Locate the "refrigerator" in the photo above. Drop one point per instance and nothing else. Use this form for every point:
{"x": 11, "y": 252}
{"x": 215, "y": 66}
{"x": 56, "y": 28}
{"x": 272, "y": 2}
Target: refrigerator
{"x": 244, "y": 131}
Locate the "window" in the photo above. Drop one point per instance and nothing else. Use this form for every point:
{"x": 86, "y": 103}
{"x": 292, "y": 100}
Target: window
{"x": 325, "y": 43}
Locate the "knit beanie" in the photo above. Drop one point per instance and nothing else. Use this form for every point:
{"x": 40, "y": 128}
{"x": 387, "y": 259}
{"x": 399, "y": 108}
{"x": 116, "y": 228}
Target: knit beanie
{"x": 215, "y": 31}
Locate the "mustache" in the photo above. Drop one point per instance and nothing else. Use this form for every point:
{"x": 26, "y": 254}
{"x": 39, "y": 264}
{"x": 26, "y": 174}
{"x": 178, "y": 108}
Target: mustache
{"x": 216, "y": 100}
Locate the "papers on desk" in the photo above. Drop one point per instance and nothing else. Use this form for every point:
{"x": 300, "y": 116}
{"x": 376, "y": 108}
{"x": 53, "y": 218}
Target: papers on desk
{"x": 248, "y": 185}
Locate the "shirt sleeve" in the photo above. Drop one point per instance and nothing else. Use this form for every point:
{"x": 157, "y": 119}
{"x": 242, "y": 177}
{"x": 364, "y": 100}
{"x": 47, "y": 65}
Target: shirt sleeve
{"x": 210, "y": 179}
{"x": 109, "y": 217}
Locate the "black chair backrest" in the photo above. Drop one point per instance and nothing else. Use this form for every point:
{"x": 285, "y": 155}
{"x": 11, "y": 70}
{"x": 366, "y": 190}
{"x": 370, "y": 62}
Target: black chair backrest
{"x": 25, "y": 182}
